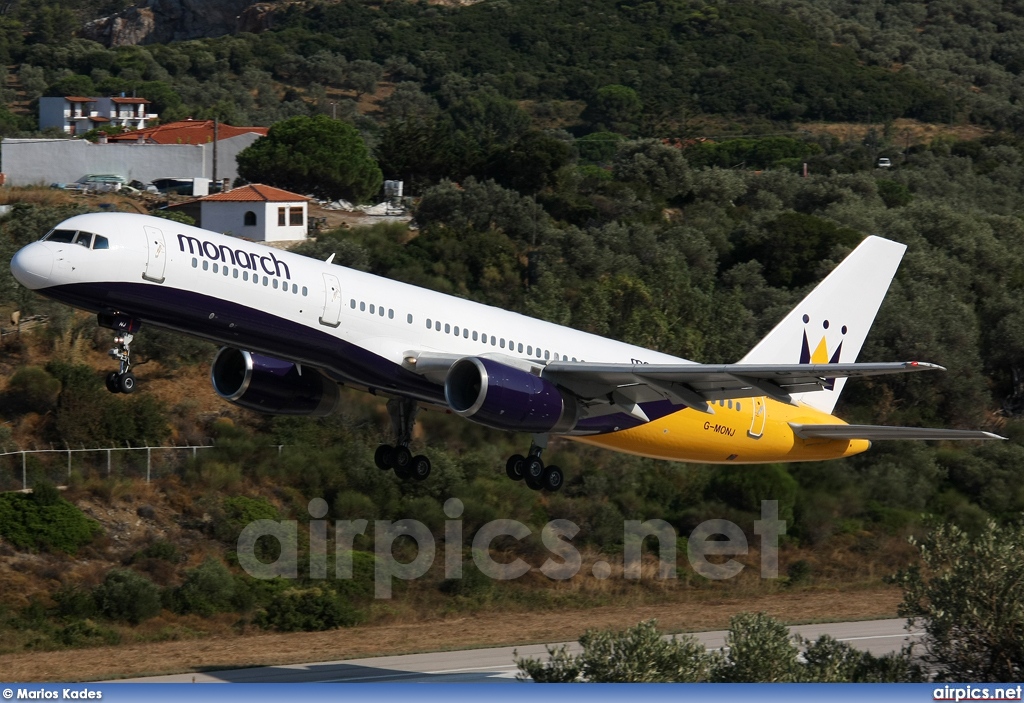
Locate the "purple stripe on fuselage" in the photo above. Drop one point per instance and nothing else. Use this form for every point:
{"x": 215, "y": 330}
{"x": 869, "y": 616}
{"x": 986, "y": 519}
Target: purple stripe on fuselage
{"x": 232, "y": 324}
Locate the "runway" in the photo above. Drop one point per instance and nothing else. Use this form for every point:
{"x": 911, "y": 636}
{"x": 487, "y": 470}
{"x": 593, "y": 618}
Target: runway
{"x": 497, "y": 665}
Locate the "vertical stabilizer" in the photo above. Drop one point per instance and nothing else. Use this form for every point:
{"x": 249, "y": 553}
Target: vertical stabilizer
{"x": 830, "y": 325}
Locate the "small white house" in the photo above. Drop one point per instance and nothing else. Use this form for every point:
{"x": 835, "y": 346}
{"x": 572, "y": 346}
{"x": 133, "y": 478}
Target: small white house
{"x": 258, "y": 212}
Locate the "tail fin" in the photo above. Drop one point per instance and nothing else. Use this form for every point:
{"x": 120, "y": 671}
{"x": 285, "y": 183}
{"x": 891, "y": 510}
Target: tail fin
{"x": 829, "y": 325}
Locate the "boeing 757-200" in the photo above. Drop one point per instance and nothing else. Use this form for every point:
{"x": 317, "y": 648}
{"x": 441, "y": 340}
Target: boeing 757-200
{"x": 293, "y": 328}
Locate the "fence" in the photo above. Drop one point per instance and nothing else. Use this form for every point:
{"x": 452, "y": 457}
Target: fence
{"x": 22, "y": 468}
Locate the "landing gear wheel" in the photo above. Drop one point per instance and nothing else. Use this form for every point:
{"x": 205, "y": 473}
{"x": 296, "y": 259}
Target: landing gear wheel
{"x": 420, "y": 467}
{"x": 113, "y": 384}
{"x": 515, "y": 466}
{"x": 553, "y": 478}
{"x": 534, "y": 469}
{"x": 383, "y": 457}
{"x": 126, "y": 382}
{"x": 403, "y": 472}
{"x": 535, "y": 484}
{"x": 401, "y": 458}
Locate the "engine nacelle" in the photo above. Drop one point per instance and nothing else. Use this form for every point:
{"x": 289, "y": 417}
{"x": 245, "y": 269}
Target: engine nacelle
{"x": 270, "y": 385}
{"x": 507, "y": 398}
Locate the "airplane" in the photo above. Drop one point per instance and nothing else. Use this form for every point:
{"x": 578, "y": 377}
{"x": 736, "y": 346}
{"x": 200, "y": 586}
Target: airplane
{"x": 293, "y": 328}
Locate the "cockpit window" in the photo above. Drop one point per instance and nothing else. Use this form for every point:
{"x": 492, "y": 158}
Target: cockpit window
{"x": 84, "y": 239}
{"x": 100, "y": 242}
{"x": 61, "y": 236}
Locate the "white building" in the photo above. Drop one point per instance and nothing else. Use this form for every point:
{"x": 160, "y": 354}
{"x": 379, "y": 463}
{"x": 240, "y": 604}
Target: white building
{"x": 76, "y": 115}
{"x": 258, "y": 212}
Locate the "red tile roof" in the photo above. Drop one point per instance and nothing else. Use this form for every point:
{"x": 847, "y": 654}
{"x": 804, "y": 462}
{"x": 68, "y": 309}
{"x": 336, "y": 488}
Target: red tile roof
{"x": 186, "y": 132}
{"x": 79, "y": 99}
{"x": 136, "y": 101}
{"x": 256, "y": 192}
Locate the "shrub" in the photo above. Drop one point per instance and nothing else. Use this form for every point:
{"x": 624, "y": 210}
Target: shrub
{"x": 207, "y": 589}
{"x": 307, "y": 610}
{"x": 126, "y": 596}
{"x": 967, "y": 593}
{"x": 56, "y": 526}
{"x": 160, "y": 549}
{"x": 34, "y": 389}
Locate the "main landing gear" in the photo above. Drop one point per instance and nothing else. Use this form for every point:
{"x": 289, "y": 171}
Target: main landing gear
{"x": 530, "y": 468}
{"x": 122, "y": 380}
{"x": 399, "y": 458}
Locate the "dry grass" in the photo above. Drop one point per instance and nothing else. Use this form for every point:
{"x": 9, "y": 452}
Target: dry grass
{"x": 691, "y": 612}
{"x": 903, "y": 131}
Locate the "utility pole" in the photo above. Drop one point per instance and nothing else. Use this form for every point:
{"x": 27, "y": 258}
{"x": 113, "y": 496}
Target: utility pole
{"x": 216, "y": 130}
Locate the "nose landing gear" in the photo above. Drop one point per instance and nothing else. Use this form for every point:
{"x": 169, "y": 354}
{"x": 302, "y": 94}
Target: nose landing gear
{"x": 122, "y": 380}
{"x": 399, "y": 458}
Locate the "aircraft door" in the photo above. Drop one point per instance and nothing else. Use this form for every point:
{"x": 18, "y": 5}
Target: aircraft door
{"x": 759, "y": 417}
{"x": 332, "y": 301}
{"x": 156, "y": 255}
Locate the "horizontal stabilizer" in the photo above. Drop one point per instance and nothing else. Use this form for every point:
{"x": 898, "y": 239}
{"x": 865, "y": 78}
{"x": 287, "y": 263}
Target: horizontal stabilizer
{"x": 878, "y": 432}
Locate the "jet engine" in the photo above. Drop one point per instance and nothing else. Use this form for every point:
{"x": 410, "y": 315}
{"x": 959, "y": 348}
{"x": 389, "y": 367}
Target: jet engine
{"x": 270, "y": 385}
{"x": 507, "y": 398}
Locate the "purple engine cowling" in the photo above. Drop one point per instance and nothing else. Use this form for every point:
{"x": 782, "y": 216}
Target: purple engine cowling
{"x": 507, "y": 398}
{"x": 269, "y": 385}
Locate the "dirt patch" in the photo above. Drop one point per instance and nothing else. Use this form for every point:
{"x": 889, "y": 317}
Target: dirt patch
{"x": 698, "y": 612}
{"x": 903, "y": 132}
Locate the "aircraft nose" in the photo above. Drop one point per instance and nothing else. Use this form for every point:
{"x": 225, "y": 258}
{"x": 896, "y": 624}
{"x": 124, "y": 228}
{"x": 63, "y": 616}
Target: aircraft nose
{"x": 32, "y": 266}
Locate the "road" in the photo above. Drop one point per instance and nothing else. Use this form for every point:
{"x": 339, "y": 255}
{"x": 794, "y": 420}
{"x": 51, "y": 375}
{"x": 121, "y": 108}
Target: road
{"x": 496, "y": 664}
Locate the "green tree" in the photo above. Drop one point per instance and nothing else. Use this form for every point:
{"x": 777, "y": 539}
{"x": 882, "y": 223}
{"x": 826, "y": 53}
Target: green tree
{"x": 637, "y": 655}
{"x": 128, "y": 596}
{"x": 313, "y": 155}
{"x": 968, "y": 592}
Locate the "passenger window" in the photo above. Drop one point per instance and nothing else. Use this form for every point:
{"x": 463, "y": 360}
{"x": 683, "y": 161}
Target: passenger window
{"x": 224, "y": 270}
{"x": 730, "y": 405}
{"x": 295, "y": 288}
{"x": 275, "y": 284}
{"x": 529, "y": 350}
{"x": 429, "y": 323}
{"x": 372, "y": 309}
{"x": 216, "y": 268}
{"x": 195, "y": 262}
{"x": 520, "y": 347}
{"x": 266, "y": 281}
{"x": 456, "y": 330}
{"x": 305, "y": 290}
{"x": 546, "y": 356}
{"x": 437, "y": 325}
{"x": 234, "y": 273}
{"x": 501, "y": 342}
{"x": 245, "y": 275}
{"x": 391, "y": 314}
{"x": 492, "y": 340}
{"x": 362, "y": 306}
{"x": 447, "y": 328}
{"x": 574, "y": 358}
{"x": 352, "y": 304}
{"x": 465, "y": 333}
{"x": 380, "y": 310}
{"x": 206, "y": 265}
{"x": 738, "y": 405}
{"x": 474, "y": 336}
{"x": 100, "y": 242}
{"x": 408, "y": 318}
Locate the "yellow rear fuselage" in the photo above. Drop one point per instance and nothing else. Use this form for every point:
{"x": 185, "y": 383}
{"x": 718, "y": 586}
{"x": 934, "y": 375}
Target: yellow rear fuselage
{"x": 750, "y": 431}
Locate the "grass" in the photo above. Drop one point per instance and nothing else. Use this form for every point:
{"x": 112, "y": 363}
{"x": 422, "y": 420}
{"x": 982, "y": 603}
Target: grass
{"x": 691, "y": 612}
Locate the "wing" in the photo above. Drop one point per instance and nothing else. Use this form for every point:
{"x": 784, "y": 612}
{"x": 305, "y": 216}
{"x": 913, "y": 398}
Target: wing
{"x": 874, "y": 432}
{"x": 606, "y": 388}
{"x": 695, "y": 385}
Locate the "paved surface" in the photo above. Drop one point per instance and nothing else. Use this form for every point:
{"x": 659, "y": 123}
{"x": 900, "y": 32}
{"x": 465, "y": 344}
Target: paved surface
{"x": 496, "y": 664}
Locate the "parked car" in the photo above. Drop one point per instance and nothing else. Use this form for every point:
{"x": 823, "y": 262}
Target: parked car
{"x": 884, "y": 162}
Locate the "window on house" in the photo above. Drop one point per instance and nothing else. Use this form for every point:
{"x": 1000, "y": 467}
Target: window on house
{"x": 250, "y": 219}
{"x": 295, "y": 217}
{"x": 281, "y": 216}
